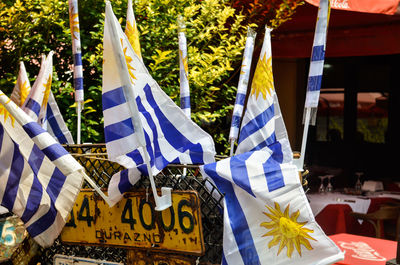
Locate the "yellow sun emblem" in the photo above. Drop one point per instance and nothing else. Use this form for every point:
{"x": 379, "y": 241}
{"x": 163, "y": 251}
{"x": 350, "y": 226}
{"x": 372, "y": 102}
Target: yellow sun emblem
{"x": 5, "y": 113}
{"x": 47, "y": 91}
{"x": 74, "y": 25}
{"x": 286, "y": 231}
{"x": 133, "y": 37}
{"x": 185, "y": 62}
{"x": 263, "y": 80}
{"x": 24, "y": 91}
{"x": 128, "y": 60}
{"x": 241, "y": 69}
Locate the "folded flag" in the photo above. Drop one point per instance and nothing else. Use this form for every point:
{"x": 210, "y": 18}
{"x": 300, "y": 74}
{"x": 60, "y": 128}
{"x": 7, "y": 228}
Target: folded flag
{"x": 39, "y": 179}
{"x": 22, "y": 87}
{"x": 263, "y": 126}
{"x": 131, "y": 30}
{"x": 183, "y": 68}
{"x": 169, "y": 135}
{"x": 267, "y": 218}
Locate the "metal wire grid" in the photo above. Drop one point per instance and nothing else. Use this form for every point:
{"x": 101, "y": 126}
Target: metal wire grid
{"x": 93, "y": 158}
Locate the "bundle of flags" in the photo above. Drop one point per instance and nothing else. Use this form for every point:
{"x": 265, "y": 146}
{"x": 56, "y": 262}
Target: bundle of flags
{"x": 135, "y": 106}
{"x": 39, "y": 179}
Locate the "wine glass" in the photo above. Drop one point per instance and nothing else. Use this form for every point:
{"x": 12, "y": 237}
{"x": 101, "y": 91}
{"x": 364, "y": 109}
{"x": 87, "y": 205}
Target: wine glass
{"x": 329, "y": 187}
{"x": 321, "y": 187}
{"x": 358, "y": 185}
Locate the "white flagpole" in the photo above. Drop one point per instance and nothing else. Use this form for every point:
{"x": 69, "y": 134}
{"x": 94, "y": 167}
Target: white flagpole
{"x": 164, "y": 201}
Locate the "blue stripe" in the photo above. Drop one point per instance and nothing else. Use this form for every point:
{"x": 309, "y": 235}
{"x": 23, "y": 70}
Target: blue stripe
{"x": 55, "y": 127}
{"x": 174, "y": 137}
{"x": 314, "y": 83}
{"x": 33, "y": 106}
{"x": 33, "y": 129}
{"x": 273, "y": 174}
{"x": 78, "y": 83}
{"x": 136, "y": 157}
{"x": 268, "y": 142}
{"x": 223, "y": 262}
{"x": 124, "y": 185}
{"x": 77, "y": 59}
{"x": 44, "y": 222}
{"x": 185, "y": 102}
{"x": 318, "y": 53}
{"x": 118, "y": 130}
{"x": 36, "y": 192}
{"x": 235, "y": 121}
{"x": 56, "y": 183}
{"x": 54, "y": 151}
{"x": 239, "y": 172}
{"x": 240, "y": 99}
{"x": 238, "y": 221}
{"x": 16, "y": 168}
{"x": 257, "y": 123}
{"x": 113, "y": 98}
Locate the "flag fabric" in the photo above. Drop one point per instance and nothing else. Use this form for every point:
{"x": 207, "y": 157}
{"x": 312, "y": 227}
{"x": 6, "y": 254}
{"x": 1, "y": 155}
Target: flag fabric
{"x": 183, "y": 68}
{"x": 317, "y": 59}
{"x": 131, "y": 30}
{"x": 262, "y": 125}
{"x": 169, "y": 135}
{"x": 22, "y": 87}
{"x": 243, "y": 84}
{"x": 36, "y": 103}
{"x": 55, "y": 123}
{"x": 39, "y": 179}
{"x": 267, "y": 218}
{"x": 76, "y": 49}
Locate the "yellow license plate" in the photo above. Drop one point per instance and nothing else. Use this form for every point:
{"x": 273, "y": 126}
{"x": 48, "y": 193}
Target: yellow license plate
{"x": 133, "y": 222}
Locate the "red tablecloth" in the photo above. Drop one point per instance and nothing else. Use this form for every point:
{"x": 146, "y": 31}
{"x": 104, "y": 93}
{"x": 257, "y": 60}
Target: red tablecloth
{"x": 335, "y": 219}
{"x": 360, "y": 250}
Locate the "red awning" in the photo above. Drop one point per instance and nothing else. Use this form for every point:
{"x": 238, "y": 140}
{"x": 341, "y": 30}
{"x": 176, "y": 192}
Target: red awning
{"x": 349, "y": 34}
{"x": 388, "y": 7}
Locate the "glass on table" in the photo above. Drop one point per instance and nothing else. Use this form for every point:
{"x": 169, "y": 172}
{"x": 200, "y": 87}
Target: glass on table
{"x": 321, "y": 187}
{"x": 358, "y": 185}
{"x": 329, "y": 187}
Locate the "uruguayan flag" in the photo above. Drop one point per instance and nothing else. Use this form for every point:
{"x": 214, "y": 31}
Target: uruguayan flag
{"x": 243, "y": 84}
{"x": 39, "y": 179}
{"x": 267, "y": 218}
{"x": 183, "y": 68}
{"x": 22, "y": 87}
{"x": 55, "y": 123}
{"x": 36, "y": 103}
{"x": 262, "y": 125}
{"x": 76, "y": 49}
{"x": 317, "y": 58}
{"x": 169, "y": 135}
{"x": 131, "y": 30}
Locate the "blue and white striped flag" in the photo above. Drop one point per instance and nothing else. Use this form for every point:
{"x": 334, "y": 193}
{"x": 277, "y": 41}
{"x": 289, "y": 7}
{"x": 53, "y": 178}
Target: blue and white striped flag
{"x": 242, "y": 86}
{"x": 267, "y": 218}
{"x": 39, "y": 179}
{"x": 317, "y": 59}
{"x": 170, "y": 136}
{"x": 55, "y": 123}
{"x": 76, "y": 49}
{"x": 262, "y": 126}
{"x": 22, "y": 87}
{"x": 183, "y": 68}
{"x": 36, "y": 103}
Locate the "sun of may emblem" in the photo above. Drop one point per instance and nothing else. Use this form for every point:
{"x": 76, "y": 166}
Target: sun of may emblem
{"x": 286, "y": 231}
{"x": 263, "y": 80}
{"x": 128, "y": 60}
{"x": 74, "y": 23}
{"x": 4, "y": 112}
{"x": 133, "y": 37}
{"x": 24, "y": 91}
{"x": 47, "y": 90}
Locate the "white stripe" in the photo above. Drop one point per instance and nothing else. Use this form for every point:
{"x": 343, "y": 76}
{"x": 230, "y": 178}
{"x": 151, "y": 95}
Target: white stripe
{"x": 78, "y": 71}
{"x": 316, "y": 68}
{"x": 312, "y": 99}
{"x": 121, "y": 111}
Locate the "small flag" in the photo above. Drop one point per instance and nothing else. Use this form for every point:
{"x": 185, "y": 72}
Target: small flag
{"x": 22, "y": 87}
{"x": 267, "y": 218}
{"x": 131, "y": 30}
{"x": 242, "y": 86}
{"x": 317, "y": 59}
{"x": 76, "y": 49}
{"x": 169, "y": 135}
{"x": 36, "y": 103}
{"x": 183, "y": 68}
{"x": 39, "y": 179}
{"x": 262, "y": 126}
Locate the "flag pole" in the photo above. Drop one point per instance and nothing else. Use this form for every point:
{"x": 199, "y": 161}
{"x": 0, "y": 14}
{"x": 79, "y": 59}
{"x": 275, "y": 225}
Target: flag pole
{"x": 164, "y": 201}
{"x": 78, "y": 71}
{"x": 242, "y": 88}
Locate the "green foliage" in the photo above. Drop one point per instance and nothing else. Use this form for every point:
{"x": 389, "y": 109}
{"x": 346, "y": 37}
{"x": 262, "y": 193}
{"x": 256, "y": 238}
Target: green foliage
{"x": 216, "y": 38}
